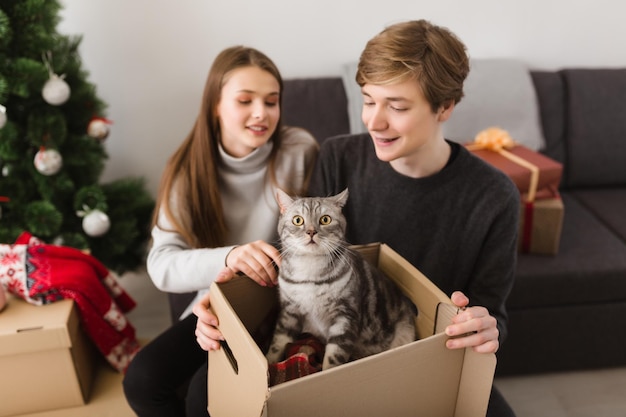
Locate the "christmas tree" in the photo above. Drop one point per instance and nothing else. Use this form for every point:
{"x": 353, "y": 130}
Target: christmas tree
{"x": 52, "y": 132}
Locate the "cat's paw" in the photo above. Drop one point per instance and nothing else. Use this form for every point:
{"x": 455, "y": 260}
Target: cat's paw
{"x": 274, "y": 354}
{"x": 277, "y": 348}
{"x": 334, "y": 356}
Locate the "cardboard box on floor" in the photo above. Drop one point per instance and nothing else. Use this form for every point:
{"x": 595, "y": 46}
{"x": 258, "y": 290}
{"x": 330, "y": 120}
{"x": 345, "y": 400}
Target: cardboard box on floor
{"x": 423, "y": 378}
{"x": 46, "y": 361}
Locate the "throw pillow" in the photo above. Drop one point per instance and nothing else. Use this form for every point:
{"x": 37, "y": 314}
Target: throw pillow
{"x": 355, "y": 98}
{"x": 498, "y": 93}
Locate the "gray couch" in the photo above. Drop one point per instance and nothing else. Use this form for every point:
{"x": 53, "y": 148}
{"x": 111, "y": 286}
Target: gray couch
{"x": 564, "y": 311}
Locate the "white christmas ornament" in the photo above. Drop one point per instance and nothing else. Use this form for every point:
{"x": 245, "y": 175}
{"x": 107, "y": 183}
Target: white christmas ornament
{"x": 48, "y": 161}
{"x": 98, "y": 129}
{"x": 56, "y": 91}
{"x": 3, "y": 116}
{"x": 96, "y": 223}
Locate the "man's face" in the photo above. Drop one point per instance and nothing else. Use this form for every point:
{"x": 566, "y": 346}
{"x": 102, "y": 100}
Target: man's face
{"x": 400, "y": 120}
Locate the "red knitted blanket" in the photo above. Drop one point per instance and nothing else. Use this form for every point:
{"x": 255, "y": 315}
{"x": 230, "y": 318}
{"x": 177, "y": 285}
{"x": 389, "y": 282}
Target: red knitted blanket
{"x": 41, "y": 273}
{"x": 303, "y": 357}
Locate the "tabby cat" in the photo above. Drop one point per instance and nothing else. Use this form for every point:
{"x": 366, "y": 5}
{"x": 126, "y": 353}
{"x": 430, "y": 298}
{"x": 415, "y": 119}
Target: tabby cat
{"x": 330, "y": 291}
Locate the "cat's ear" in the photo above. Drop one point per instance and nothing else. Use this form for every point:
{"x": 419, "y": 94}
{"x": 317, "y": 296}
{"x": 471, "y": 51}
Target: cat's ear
{"x": 341, "y": 198}
{"x": 283, "y": 199}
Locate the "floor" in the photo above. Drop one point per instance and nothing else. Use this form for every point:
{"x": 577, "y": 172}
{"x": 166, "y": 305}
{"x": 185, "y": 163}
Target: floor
{"x": 600, "y": 393}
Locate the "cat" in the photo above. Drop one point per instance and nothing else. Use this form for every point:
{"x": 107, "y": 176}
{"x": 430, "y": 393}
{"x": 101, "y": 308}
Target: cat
{"x": 330, "y": 291}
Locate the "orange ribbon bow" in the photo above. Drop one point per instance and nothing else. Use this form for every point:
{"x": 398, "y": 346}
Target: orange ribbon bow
{"x": 498, "y": 140}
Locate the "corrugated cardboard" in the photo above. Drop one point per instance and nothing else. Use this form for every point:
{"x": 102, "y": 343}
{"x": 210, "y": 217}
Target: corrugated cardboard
{"x": 46, "y": 360}
{"x": 423, "y": 378}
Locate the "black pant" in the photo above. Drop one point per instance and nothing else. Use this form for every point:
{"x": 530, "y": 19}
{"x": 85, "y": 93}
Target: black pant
{"x": 168, "y": 377}
{"x": 498, "y": 407}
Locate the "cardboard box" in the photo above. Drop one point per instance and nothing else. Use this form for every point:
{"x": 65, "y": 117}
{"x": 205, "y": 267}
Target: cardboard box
{"x": 46, "y": 360}
{"x": 422, "y": 378}
{"x": 550, "y": 171}
{"x": 540, "y": 226}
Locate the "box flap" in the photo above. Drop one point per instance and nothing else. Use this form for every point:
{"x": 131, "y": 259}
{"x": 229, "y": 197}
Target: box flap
{"x": 26, "y": 328}
{"x": 477, "y": 371}
{"x": 475, "y": 384}
{"x": 404, "y": 381}
{"x": 416, "y": 286}
{"x": 239, "y": 370}
{"x": 443, "y": 316}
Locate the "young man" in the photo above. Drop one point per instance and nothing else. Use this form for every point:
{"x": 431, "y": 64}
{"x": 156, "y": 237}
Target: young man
{"x": 451, "y": 215}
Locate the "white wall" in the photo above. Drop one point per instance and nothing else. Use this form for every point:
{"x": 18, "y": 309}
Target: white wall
{"x": 149, "y": 58}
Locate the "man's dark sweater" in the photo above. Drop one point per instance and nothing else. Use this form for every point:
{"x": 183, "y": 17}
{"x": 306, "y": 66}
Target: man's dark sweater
{"x": 458, "y": 226}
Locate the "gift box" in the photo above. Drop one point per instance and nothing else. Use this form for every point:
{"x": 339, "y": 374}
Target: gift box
{"x": 47, "y": 361}
{"x": 527, "y": 169}
{"x": 549, "y": 170}
{"x": 537, "y": 177}
{"x": 422, "y": 378}
{"x": 541, "y": 222}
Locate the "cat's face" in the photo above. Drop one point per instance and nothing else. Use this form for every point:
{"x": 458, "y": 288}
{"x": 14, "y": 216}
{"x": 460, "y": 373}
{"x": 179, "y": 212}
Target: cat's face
{"x": 313, "y": 225}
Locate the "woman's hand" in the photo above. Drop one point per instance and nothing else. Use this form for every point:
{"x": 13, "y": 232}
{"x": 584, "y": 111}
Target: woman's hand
{"x": 207, "y": 334}
{"x": 256, "y": 260}
{"x": 474, "y": 326}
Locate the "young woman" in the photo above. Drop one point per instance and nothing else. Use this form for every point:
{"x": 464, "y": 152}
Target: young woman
{"x": 448, "y": 213}
{"x": 216, "y": 208}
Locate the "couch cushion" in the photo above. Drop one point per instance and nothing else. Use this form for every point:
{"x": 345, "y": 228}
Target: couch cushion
{"x": 596, "y": 126}
{"x": 608, "y": 205}
{"x": 354, "y": 96}
{"x": 501, "y": 93}
{"x": 589, "y": 268}
{"x": 316, "y": 104}
{"x": 563, "y": 339}
{"x": 551, "y": 96}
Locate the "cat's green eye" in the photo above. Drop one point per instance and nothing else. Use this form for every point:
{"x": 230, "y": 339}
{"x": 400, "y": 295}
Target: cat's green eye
{"x": 298, "y": 220}
{"x": 325, "y": 220}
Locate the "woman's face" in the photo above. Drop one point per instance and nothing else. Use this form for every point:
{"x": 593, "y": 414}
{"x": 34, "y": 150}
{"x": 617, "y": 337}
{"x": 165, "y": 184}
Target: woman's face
{"x": 248, "y": 110}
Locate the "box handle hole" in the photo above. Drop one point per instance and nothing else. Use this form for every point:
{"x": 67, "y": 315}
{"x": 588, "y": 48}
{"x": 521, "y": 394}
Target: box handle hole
{"x": 230, "y": 356}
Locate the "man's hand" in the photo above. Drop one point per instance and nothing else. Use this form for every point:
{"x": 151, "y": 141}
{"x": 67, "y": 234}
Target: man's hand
{"x": 472, "y": 327}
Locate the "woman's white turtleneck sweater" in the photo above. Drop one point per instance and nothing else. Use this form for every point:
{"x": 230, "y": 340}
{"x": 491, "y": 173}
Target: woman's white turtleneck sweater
{"x": 250, "y": 211}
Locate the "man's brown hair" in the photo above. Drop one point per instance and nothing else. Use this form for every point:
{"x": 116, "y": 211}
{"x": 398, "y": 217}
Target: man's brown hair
{"x": 419, "y": 50}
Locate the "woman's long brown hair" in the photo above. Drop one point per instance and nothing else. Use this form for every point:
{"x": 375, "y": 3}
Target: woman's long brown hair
{"x": 192, "y": 169}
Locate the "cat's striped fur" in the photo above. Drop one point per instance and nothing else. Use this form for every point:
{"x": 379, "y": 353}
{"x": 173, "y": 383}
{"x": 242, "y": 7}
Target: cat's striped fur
{"x": 330, "y": 291}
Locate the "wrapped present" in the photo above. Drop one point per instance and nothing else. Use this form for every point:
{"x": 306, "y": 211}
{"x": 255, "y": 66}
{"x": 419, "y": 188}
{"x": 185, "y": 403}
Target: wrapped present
{"x": 528, "y": 169}
{"x": 537, "y": 177}
{"x": 541, "y": 221}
